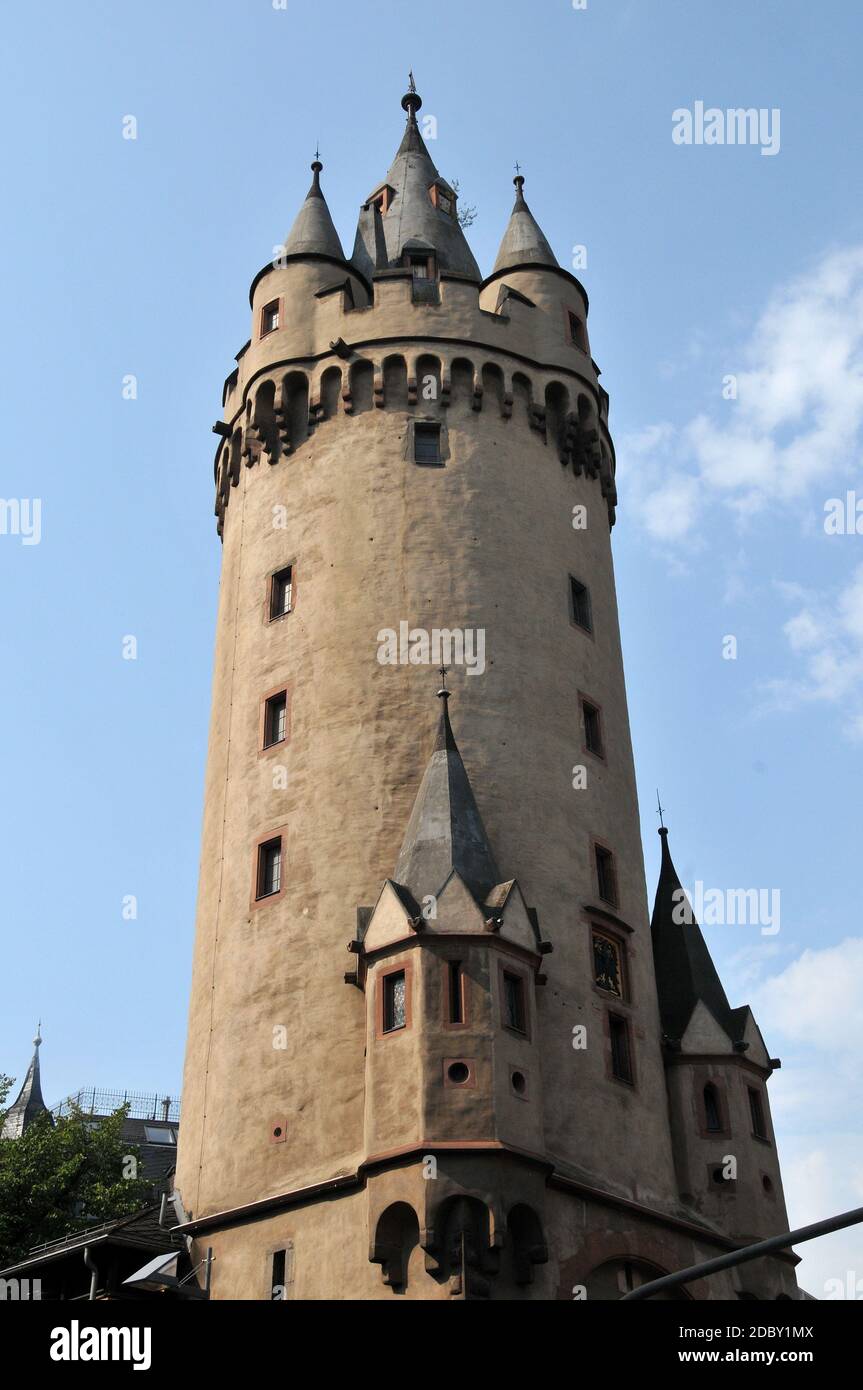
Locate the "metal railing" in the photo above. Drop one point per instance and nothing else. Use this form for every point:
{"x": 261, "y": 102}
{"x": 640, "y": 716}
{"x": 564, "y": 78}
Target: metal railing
{"x": 142, "y": 1106}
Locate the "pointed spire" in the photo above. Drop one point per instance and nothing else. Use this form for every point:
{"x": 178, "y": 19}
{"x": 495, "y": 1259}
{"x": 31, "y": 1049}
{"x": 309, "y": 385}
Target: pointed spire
{"x": 28, "y": 1103}
{"x": 685, "y": 972}
{"x": 523, "y": 242}
{"x": 445, "y": 831}
{"x": 410, "y": 219}
{"x": 314, "y": 232}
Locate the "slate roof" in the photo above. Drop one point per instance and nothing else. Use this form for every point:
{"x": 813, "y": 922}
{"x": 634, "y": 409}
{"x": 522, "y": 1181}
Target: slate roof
{"x": 524, "y": 242}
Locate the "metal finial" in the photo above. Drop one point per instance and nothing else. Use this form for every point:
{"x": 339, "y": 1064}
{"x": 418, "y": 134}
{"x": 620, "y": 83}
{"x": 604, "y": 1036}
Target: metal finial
{"x": 443, "y": 693}
{"x": 37, "y": 1041}
{"x": 317, "y": 150}
{"x": 517, "y": 167}
{"x": 659, "y": 810}
{"x": 412, "y": 86}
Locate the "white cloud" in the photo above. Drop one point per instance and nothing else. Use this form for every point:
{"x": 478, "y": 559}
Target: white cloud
{"x": 812, "y": 1013}
{"x": 826, "y": 633}
{"x": 796, "y": 420}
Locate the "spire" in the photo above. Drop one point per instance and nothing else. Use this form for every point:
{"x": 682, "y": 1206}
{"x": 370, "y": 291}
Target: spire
{"x": 313, "y": 232}
{"x": 409, "y": 218}
{"x": 685, "y": 972}
{"x": 29, "y": 1103}
{"x": 523, "y": 242}
{"x": 445, "y": 831}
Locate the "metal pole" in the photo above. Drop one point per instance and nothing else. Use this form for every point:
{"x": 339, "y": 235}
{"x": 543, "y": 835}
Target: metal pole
{"x": 747, "y": 1252}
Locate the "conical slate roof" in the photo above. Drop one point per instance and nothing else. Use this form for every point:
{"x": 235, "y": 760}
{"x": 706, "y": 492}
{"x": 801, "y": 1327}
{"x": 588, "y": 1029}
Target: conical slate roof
{"x": 29, "y": 1103}
{"x": 411, "y": 216}
{"x": 685, "y": 972}
{"x": 314, "y": 232}
{"x": 523, "y": 242}
{"x": 445, "y": 831}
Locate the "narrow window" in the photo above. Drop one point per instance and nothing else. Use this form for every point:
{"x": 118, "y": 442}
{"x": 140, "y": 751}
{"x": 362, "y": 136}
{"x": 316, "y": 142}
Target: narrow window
{"x": 592, "y": 729}
{"x": 426, "y": 443}
{"x": 756, "y": 1110}
{"x": 269, "y": 317}
{"x": 621, "y": 1062}
{"x": 582, "y": 614}
{"x": 394, "y": 1001}
{"x": 455, "y": 983}
{"x": 280, "y": 592}
{"x": 422, "y": 266}
{"x": 577, "y": 333}
{"x": 606, "y": 964}
{"x": 606, "y": 878}
{"x": 269, "y": 868}
{"x": 277, "y": 1282}
{"x": 712, "y": 1113}
{"x": 275, "y": 719}
{"x": 513, "y": 1002}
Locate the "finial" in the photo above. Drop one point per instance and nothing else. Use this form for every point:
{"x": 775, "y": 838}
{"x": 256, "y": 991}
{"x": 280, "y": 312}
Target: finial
{"x": 37, "y": 1041}
{"x": 411, "y": 101}
{"x": 443, "y": 693}
{"x": 660, "y": 812}
{"x": 518, "y": 180}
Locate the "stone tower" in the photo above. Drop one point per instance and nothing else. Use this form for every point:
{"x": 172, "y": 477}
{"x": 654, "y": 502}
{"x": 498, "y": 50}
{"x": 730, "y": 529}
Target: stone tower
{"x": 427, "y": 1056}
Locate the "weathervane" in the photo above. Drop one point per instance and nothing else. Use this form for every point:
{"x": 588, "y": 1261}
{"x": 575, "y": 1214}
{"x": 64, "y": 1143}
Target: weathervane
{"x": 412, "y": 86}
{"x": 659, "y": 809}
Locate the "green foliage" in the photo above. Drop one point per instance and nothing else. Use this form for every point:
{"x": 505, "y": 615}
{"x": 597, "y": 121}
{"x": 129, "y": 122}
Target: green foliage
{"x": 61, "y": 1178}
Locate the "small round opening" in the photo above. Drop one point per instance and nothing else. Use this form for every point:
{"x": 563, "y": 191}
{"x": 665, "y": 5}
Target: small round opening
{"x": 277, "y": 1132}
{"x": 519, "y": 1084}
{"x": 458, "y": 1073}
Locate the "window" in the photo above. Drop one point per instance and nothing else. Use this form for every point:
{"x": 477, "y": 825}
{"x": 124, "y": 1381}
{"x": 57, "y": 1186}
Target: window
{"x": 269, "y": 868}
{"x": 269, "y": 317}
{"x": 577, "y": 332}
{"x": 621, "y": 1061}
{"x": 277, "y": 1281}
{"x": 592, "y": 729}
{"x": 579, "y": 594}
{"x": 712, "y": 1109}
{"x": 281, "y": 587}
{"x": 756, "y": 1111}
{"x": 422, "y": 265}
{"x": 606, "y": 878}
{"x": 394, "y": 1001}
{"x": 426, "y": 443}
{"x": 154, "y": 1135}
{"x": 606, "y": 964}
{"x": 513, "y": 1002}
{"x": 275, "y": 719}
{"x": 455, "y": 987}
{"x": 444, "y": 202}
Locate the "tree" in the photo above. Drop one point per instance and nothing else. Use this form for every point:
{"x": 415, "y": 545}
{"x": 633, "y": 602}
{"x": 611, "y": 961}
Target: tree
{"x": 60, "y": 1178}
{"x": 465, "y": 216}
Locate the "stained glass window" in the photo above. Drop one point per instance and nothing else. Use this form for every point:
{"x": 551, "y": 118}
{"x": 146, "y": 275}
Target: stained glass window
{"x": 606, "y": 964}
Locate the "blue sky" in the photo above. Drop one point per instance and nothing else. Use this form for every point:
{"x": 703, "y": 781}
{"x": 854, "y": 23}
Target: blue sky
{"x": 703, "y": 262}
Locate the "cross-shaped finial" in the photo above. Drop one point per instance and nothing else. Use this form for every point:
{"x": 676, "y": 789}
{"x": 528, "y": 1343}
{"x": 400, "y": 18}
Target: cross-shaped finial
{"x": 442, "y": 672}
{"x": 659, "y": 809}
{"x": 412, "y": 86}
{"x": 517, "y": 167}
{"x": 317, "y": 150}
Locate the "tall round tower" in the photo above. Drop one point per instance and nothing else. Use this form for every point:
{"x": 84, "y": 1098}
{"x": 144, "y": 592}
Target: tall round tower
{"x": 425, "y": 1054}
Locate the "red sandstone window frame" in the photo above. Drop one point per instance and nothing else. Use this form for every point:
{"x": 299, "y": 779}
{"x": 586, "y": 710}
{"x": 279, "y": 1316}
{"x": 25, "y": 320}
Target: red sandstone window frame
{"x": 599, "y": 929}
{"x": 614, "y": 1019}
{"x": 269, "y": 615}
{"x": 588, "y": 702}
{"x": 404, "y": 967}
{"x": 436, "y": 193}
{"x": 286, "y": 689}
{"x": 382, "y": 198}
{"x": 277, "y": 305}
{"x": 449, "y": 1023}
{"x": 598, "y": 848}
{"x": 270, "y": 837}
{"x": 508, "y": 967}
{"x": 571, "y": 582}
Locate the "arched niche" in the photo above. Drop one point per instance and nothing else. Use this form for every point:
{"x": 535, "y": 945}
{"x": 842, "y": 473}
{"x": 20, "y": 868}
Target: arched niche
{"x": 396, "y": 382}
{"x": 396, "y": 1235}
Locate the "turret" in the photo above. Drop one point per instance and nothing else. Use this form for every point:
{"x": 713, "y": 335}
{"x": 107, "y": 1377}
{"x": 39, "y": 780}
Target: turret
{"x": 717, "y": 1067}
{"x": 28, "y": 1105}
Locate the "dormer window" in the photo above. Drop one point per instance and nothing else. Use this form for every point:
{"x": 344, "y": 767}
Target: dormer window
{"x": 422, "y": 265}
{"x": 382, "y": 199}
{"x": 442, "y": 199}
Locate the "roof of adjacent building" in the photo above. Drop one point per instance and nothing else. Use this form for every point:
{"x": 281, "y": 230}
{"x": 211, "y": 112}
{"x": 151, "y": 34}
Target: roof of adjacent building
{"x": 685, "y": 972}
{"x": 28, "y": 1104}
